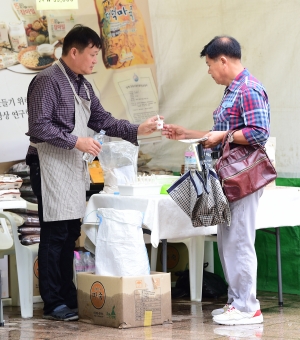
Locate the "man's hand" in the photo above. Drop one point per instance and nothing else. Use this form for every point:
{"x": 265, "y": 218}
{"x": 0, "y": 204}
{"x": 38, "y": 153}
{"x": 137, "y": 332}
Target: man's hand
{"x": 88, "y": 144}
{"x": 149, "y": 126}
{"x": 214, "y": 138}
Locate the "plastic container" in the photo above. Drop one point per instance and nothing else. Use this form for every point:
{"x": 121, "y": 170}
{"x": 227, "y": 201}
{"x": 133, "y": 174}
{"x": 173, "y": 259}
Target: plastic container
{"x": 98, "y": 137}
{"x": 45, "y": 50}
{"x": 139, "y": 189}
{"x": 79, "y": 264}
{"x": 164, "y": 188}
{"x": 89, "y": 262}
{"x": 190, "y": 162}
{"x": 166, "y": 179}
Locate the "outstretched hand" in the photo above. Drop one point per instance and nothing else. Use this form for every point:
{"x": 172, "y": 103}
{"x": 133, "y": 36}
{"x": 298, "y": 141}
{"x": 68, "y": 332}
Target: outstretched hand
{"x": 148, "y": 126}
{"x": 172, "y": 131}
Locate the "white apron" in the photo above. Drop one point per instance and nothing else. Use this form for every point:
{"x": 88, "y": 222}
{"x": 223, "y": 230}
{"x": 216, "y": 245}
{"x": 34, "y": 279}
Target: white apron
{"x": 64, "y": 174}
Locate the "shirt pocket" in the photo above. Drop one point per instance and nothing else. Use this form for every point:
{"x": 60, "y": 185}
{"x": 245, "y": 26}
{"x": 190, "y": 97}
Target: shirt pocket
{"x": 223, "y": 112}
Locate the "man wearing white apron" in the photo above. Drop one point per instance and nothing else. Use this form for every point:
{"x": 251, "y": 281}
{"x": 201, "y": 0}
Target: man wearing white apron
{"x": 61, "y": 105}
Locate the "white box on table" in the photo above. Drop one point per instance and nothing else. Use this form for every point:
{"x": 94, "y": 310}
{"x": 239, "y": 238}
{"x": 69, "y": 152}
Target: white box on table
{"x": 139, "y": 189}
{"x": 124, "y": 302}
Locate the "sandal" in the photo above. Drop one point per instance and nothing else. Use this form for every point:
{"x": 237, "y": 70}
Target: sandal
{"x": 64, "y": 314}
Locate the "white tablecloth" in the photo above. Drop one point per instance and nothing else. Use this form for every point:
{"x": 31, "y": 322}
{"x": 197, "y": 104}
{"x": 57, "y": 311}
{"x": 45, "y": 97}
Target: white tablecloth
{"x": 278, "y": 207}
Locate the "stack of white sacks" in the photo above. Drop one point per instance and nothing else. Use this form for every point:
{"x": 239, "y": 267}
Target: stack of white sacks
{"x": 10, "y": 187}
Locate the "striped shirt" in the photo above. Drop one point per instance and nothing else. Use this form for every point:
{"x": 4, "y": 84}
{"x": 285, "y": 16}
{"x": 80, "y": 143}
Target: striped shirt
{"x": 51, "y": 110}
{"x": 245, "y": 107}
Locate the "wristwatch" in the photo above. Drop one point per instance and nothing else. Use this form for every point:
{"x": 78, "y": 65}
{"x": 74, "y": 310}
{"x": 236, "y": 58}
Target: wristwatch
{"x": 230, "y": 138}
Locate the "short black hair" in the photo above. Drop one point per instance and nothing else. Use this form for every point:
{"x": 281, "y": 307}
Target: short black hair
{"x": 219, "y": 45}
{"x": 80, "y": 37}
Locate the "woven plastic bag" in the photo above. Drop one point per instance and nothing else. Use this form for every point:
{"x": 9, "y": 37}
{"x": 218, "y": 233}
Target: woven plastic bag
{"x": 120, "y": 247}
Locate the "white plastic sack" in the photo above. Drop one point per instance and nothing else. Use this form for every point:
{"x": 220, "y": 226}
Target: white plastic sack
{"x": 120, "y": 247}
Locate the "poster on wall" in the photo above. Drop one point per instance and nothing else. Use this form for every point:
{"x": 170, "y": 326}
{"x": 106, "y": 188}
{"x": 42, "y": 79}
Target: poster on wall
{"x": 44, "y": 32}
{"x": 124, "y": 35}
{"x": 138, "y": 93}
{"x": 13, "y": 116}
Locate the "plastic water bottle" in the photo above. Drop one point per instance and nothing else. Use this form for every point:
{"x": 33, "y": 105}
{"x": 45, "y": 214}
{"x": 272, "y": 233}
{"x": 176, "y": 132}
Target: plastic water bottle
{"x": 89, "y": 262}
{"x": 79, "y": 264}
{"x": 190, "y": 162}
{"x": 98, "y": 137}
{"x": 208, "y": 160}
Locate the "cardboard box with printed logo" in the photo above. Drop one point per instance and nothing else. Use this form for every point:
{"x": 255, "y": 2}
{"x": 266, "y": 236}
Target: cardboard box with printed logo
{"x": 124, "y": 302}
{"x": 36, "y": 287}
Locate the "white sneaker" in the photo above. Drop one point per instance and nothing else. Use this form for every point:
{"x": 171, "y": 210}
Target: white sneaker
{"x": 220, "y": 310}
{"x": 234, "y": 317}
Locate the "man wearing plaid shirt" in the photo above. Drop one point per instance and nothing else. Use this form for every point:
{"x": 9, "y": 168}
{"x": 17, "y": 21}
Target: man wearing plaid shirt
{"x": 244, "y": 107}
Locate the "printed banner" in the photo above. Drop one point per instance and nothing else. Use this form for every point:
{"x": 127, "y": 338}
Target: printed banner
{"x": 56, "y": 4}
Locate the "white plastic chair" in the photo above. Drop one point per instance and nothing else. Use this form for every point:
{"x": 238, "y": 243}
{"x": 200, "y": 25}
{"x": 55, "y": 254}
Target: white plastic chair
{"x": 25, "y": 256}
{"x": 199, "y": 252}
{"x": 6, "y": 243}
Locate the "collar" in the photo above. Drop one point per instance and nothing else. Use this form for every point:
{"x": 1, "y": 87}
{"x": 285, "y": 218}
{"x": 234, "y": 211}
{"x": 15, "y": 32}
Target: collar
{"x": 73, "y": 76}
{"x": 238, "y": 80}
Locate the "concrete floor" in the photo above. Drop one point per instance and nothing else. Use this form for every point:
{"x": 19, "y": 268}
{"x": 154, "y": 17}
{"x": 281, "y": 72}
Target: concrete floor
{"x": 191, "y": 320}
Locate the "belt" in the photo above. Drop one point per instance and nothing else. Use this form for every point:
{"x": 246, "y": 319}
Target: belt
{"x": 215, "y": 154}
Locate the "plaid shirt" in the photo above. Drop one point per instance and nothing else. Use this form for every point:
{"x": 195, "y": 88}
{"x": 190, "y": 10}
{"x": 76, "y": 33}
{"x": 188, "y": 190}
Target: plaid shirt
{"x": 51, "y": 110}
{"x": 245, "y": 107}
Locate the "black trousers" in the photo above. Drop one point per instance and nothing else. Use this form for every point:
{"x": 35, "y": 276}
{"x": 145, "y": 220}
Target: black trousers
{"x": 55, "y": 255}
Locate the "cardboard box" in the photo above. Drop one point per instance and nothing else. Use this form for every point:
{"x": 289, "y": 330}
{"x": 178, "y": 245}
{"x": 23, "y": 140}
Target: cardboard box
{"x": 80, "y": 241}
{"x": 4, "y": 277}
{"x": 36, "y": 287}
{"x": 96, "y": 172}
{"x": 124, "y": 302}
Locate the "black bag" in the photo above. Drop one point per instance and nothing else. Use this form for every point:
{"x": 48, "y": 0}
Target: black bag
{"x": 182, "y": 286}
{"x": 213, "y": 285}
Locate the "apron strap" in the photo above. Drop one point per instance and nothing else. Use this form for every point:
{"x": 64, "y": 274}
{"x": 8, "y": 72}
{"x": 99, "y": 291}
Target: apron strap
{"x": 59, "y": 64}
{"x": 33, "y": 144}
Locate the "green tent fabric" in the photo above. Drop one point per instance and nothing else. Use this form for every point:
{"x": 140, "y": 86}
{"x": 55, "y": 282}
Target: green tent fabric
{"x": 265, "y": 246}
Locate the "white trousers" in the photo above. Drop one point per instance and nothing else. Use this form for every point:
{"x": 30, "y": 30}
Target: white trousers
{"x": 237, "y": 253}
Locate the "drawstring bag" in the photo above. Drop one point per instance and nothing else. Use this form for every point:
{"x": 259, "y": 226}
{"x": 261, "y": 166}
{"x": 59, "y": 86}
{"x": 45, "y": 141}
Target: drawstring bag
{"x": 120, "y": 247}
{"x": 199, "y": 194}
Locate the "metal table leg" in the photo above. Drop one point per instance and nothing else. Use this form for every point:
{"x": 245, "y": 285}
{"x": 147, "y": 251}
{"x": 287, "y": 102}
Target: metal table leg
{"x": 279, "y": 273}
{"x": 1, "y": 305}
{"x": 164, "y": 255}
